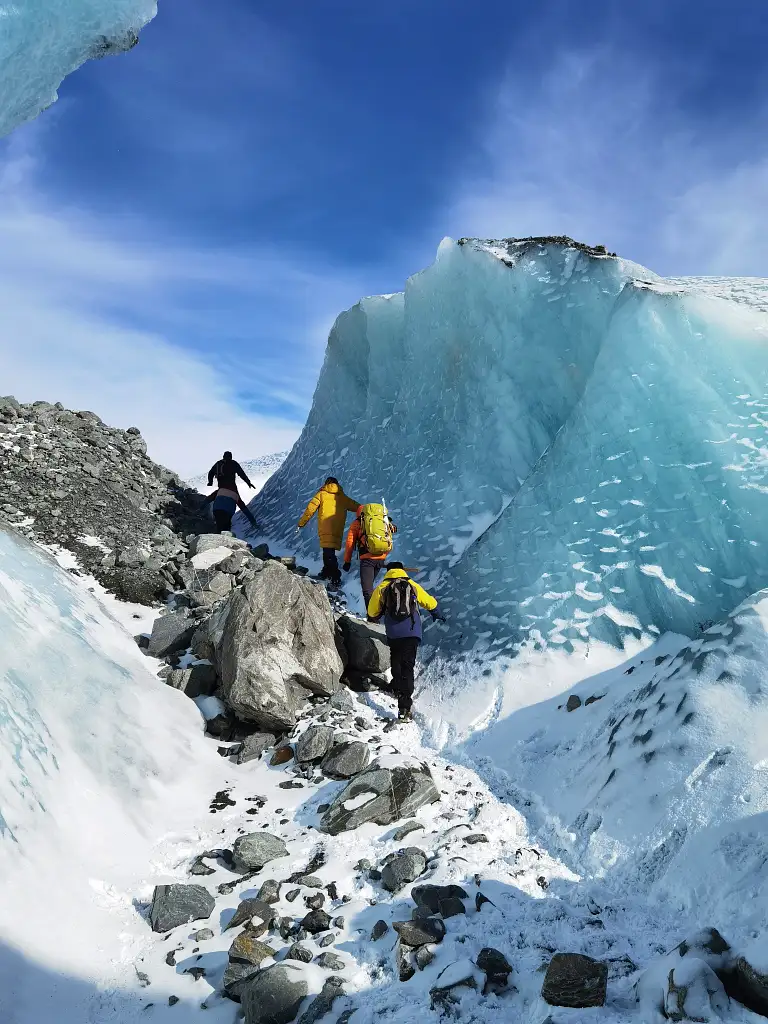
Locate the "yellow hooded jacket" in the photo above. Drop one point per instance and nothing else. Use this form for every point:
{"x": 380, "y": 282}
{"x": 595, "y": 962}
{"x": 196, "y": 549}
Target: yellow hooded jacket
{"x": 332, "y": 506}
{"x": 376, "y": 604}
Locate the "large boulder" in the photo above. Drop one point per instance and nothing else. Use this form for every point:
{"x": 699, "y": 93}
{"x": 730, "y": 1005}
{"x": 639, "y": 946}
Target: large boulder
{"x": 277, "y": 645}
{"x": 274, "y": 995}
{"x": 405, "y": 866}
{"x": 365, "y": 644}
{"x": 381, "y": 795}
{"x": 174, "y": 905}
{"x": 211, "y": 541}
{"x": 575, "y": 980}
{"x": 314, "y": 743}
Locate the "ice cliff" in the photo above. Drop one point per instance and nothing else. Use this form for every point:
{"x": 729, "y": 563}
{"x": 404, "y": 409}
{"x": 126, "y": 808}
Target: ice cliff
{"x": 42, "y": 41}
{"x": 572, "y": 447}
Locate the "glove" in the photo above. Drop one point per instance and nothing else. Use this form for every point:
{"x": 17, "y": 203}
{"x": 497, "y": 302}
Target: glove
{"x": 347, "y": 566}
{"x": 437, "y": 616}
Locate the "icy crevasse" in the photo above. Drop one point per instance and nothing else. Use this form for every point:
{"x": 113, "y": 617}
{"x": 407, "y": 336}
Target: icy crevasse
{"x": 42, "y": 41}
{"x": 97, "y": 760}
{"x": 577, "y": 445}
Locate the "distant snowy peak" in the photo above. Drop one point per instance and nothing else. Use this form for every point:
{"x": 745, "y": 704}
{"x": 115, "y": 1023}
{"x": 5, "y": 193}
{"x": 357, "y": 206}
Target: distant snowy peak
{"x": 259, "y": 469}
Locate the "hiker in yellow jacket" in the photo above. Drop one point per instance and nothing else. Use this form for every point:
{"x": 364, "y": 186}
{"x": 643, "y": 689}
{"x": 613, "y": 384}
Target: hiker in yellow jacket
{"x": 332, "y": 506}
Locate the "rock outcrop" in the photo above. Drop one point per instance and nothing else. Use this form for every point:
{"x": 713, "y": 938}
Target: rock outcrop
{"x": 382, "y": 795}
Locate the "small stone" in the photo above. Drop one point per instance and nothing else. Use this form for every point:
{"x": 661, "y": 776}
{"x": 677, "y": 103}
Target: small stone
{"x": 327, "y": 940}
{"x": 170, "y": 958}
{"x": 404, "y": 960}
{"x": 314, "y": 744}
{"x": 249, "y": 950}
{"x": 405, "y": 830}
{"x": 338, "y": 922}
{"x": 172, "y": 1000}
{"x": 254, "y": 746}
{"x": 199, "y": 867}
{"x": 379, "y": 929}
{"x": 292, "y": 894}
{"x": 346, "y": 760}
{"x": 289, "y": 784}
{"x": 405, "y": 867}
{"x": 315, "y": 901}
{"x": 316, "y": 921}
{"x": 203, "y": 935}
{"x": 575, "y": 980}
{"x": 573, "y": 703}
{"x": 333, "y": 892}
{"x": 424, "y": 957}
{"x": 420, "y": 933}
{"x": 330, "y": 961}
{"x": 269, "y": 891}
{"x": 299, "y": 952}
{"x": 460, "y": 974}
{"x": 475, "y": 838}
{"x": 256, "y": 914}
{"x": 251, "y": 852}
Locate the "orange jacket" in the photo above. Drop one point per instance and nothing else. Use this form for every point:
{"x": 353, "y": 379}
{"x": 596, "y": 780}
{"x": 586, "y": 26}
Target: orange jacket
{"x": 354, "y": 539}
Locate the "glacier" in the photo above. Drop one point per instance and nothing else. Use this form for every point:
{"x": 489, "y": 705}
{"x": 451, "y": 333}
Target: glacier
{"x": 42, "y": 41}
{"x": 573, "y": 448}
{"x": 98, "y": 760}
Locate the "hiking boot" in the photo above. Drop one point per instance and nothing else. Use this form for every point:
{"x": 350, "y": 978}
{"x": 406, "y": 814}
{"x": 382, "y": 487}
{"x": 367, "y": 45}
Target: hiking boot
{"x": 404, "y": 716}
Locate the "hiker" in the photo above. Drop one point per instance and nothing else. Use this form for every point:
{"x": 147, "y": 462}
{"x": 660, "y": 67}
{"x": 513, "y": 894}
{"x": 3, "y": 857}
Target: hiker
{"x": 224, "y": 502}
{"x": 397, "y": 598}
{"x": 332, "y": 506}
{"x": 226, "y": 471}
{"x": 371, "y": 535}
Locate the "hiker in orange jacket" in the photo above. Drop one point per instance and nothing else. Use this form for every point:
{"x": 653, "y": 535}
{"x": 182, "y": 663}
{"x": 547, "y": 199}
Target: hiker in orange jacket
{"x": 331, "y": 505}
{"x": 370, "y": 565}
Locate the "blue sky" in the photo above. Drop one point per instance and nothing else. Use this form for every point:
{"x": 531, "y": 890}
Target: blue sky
{"x": 178, "y": 232}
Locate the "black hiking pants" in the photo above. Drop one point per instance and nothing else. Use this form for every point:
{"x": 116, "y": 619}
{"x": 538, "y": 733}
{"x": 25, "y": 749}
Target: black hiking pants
{"x": 368, "y": 572}
{"x": 223, "y": 519}
{"x": 402, "y": 654}
{"x": 331, "y": 569}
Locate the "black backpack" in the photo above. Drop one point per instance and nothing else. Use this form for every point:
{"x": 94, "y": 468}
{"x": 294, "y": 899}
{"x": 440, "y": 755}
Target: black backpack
{"x": 400, "y": 600}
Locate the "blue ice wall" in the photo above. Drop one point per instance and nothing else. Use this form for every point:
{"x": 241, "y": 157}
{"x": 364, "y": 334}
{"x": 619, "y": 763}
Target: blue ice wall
{"x": 570, "y": 447}
{"x": 42, "y": 41}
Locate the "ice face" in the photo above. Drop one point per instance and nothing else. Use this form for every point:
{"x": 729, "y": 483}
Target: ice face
{"x": 577, "y": 448}
{"x": 42, "y": 41}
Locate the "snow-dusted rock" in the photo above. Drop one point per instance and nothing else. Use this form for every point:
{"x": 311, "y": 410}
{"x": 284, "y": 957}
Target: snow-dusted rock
{"x": 404, "y": 867}
{"x": 322, "y": 1004}
{"x": 575, "y": 980}
{"x": 212, "y": 541}
{"x": 431, "y": 896}
{"x": 237, "y": 973}
{"x": 174, "y": 905}
{"x": 459, "y": 974}
{"x": 315, "y": 743}
{"x": 274, "y": 995}
{"x": 747, "y": 982}
{"x": 255, "y": 745}
{"x": 346, "y": 760}
{"x": 495, "y": 966}
{"x": 247, "y": 949}
{"x": 420, "y": 933}
{"x": 277, "y": 644}
{"x": 330, "y": 961}
{"x": 251, "y": 852}
{"x": 316, "y": 921}
{"x": 365, "y": 644}
{"x": 299, "y": 952}
{"x": 382, "y": 795}
{"x": 195, "y": 681}
{"x": 684, "y": 984}
{"x": 255, "y": 913}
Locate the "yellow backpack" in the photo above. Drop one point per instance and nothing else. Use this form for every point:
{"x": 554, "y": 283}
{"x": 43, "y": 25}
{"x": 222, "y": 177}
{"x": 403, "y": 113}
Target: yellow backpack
{"x": 376, "y": 530}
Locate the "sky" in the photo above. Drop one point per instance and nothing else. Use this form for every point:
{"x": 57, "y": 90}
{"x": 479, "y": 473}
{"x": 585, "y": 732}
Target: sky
{"x": 179, "y": 231}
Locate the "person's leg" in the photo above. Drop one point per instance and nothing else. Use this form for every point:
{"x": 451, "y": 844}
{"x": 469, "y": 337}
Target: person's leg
{"x": 407, "y": 664}
{"x": 368, "y": 571}
{"x": 331, "y": 569}
{"x": 222, "y": 518}
{"x": 395, "y": 661}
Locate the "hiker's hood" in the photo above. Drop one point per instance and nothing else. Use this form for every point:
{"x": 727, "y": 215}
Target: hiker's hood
{"x": 331, "y": 488}
{"x": 396, "y": 574}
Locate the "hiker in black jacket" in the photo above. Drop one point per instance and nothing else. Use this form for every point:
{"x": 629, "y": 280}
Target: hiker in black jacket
{"x": 226, "y": 471}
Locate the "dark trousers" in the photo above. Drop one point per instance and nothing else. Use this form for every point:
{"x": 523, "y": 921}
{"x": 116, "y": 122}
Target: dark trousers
{"x": 223, "y": 519}
{"x": 368, "y": 572}
{"x": 331, "y": 569}
{"x": 402, "y": 654}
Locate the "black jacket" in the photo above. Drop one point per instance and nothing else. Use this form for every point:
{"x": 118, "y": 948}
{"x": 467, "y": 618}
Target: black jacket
{"x": 226, "y": 472}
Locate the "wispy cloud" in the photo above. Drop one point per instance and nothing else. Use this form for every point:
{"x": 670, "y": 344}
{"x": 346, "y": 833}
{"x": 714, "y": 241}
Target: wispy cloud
{"x": 597, "y": 148}
{"x": 202, "y": 349}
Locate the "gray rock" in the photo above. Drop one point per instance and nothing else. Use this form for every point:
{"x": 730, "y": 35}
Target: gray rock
{"x": 475, "y": 838}
{"x": 254, "y": 912}
{"x": 247, "y": 949}
{"x": 235, "y": 977}
{"x": 330, "y": 961}
{"x": 203, "y": 935}
{"x": 314, "y": 744}
{"x": 323, "y": 1003}
{"x": 420, "y": 933}
{"x": 405, "y": 830}
{"x": 346, "y": 760}
{"x": 315, "y": 901}
{"x": 255, "y": 745}
{"x": 209, "y": 541}
{"x": 573, "y": 702}
{"x": 396, "y": 793}
{"x": 195, "y": 681}
{"x": 327, "y": 940}
{"x": 575, "y": 980}
{"x": 404, "y": 867}
{"x": 299, "y": 952}
{"x": 404, "y": 960}
{"x": 269, "y": 891}
{"x": 251, "y": 852}
{"x": 429, "y": 896}
{"x": 277, "y": 642}
{"x": 173, "y": 905}
{"x": 171, "y": 634}
{"x": 365, "y": 644}
{"x": 275, "y": 994}
{"x": 423, "y": 957}
{"x": 746, "y": 985}
{"x": 343, "y": 700}
{"x": 379, "y": 930}
{"x": 316, "y": 921}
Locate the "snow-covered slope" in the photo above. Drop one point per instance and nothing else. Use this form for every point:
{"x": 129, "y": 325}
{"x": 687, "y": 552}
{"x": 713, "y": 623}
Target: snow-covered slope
{"x": 42, "y": 41}
{"x": 577, "y": 446}
{"x": 98, "y": 760}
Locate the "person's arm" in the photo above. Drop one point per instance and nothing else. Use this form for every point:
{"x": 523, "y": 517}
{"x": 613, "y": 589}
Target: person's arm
{"x": 376, "y": 604}
{"x": 349, "y": 548}
{"x": 425, "y": 600}
{"x": 212, "y": 473}
{"x": 239, "y": 471}
{"x": 350, "y": 505}
{"x": 310, "y": 510}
